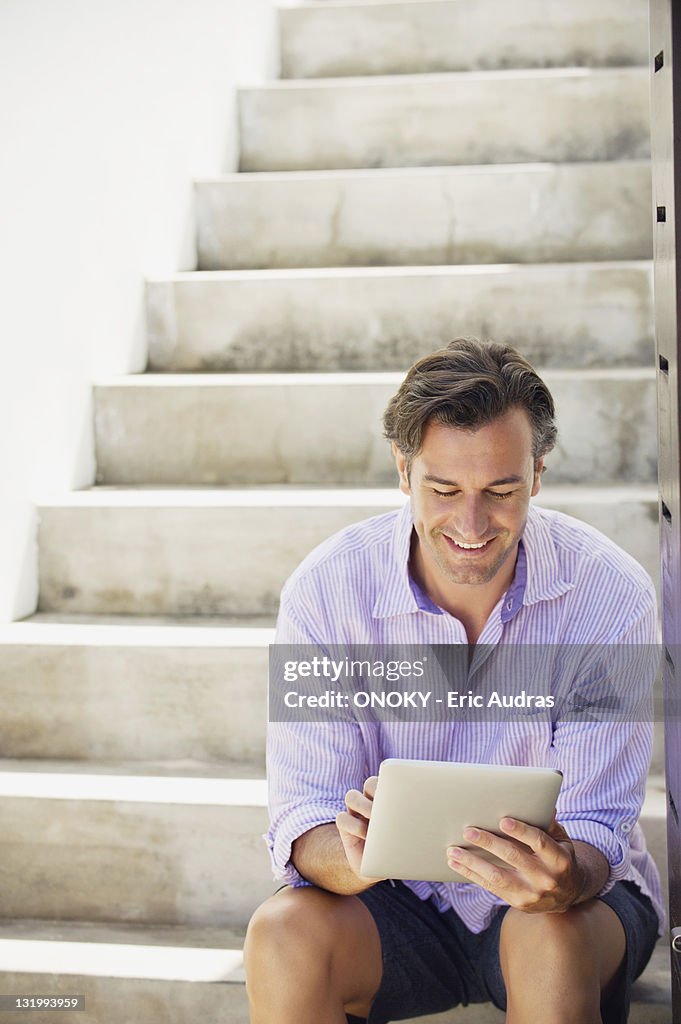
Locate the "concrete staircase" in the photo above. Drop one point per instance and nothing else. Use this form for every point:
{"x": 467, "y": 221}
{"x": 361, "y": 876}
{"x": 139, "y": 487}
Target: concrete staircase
{"x": 425, "y": 168}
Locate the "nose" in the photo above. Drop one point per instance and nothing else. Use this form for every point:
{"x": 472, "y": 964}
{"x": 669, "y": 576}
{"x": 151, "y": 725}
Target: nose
{"x": 472, "y": 520}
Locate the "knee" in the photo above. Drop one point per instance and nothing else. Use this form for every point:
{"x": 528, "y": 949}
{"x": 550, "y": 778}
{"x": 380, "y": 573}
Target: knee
{"x": 286, "y": 927}
{"x": 538, "y": 938}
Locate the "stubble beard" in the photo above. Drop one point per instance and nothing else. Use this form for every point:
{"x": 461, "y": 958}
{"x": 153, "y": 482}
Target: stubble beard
{"x": 471, "y": 575}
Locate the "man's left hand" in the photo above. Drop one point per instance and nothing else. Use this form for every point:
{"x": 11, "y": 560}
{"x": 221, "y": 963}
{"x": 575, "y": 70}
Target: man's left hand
{"x": 540, "y": 872}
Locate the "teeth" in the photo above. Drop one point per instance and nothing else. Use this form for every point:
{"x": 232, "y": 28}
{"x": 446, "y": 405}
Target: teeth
{"x": 469, "y": 547}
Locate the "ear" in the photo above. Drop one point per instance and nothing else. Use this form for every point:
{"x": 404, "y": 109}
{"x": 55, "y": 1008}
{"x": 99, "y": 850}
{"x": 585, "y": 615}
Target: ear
{"x": 401, "y": 463}
{"x": 536, "y": 485}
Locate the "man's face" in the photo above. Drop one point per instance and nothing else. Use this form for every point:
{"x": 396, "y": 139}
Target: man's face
{"x": 470, "y": 491}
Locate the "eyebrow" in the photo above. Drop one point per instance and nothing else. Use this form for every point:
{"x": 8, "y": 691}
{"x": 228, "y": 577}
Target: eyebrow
{"x": 494, "y": 483}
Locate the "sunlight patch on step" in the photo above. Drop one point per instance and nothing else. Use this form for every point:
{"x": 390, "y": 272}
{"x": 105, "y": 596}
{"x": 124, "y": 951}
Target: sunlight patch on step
{"x": 199, "y": 497}
{"x": 305, "y": 498}
{"x": 193, "y": 277}
{"x": 420, "y": 175}
{"x": 334, "y": 378}
{"x": 134, "y": 789}
{"x": 119, "y": 960}
{"x": 499, "y": 76}
{"x": 173, "y": 635}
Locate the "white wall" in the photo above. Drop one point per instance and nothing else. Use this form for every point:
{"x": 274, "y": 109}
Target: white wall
{"x": 108, "y": 109}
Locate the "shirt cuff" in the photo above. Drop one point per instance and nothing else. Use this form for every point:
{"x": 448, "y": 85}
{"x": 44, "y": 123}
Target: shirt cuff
{"x": 280, "y": 839}
{"x": 613, "y": 844}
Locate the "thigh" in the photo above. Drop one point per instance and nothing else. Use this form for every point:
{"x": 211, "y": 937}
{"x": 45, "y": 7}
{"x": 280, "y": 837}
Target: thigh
{"x": 624, "y": 905}
{"x": 590, "y": 933}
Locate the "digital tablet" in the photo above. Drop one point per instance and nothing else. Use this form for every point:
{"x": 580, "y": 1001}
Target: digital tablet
{"x": 422, "y": 807}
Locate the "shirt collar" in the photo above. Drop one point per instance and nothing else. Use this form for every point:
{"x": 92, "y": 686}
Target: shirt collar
{"x": 396, "y": 596}
{"x": 545, "y": 580}
{"x": 537, "y": 576}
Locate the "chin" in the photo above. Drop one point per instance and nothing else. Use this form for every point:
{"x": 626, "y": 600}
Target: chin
{"x": 475, "y": 575}
{"x": 472, "y": 579}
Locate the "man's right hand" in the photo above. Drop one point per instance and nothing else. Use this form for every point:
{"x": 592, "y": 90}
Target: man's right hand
{"x": 330, "y": 855}
{"x": 352, "y": 825}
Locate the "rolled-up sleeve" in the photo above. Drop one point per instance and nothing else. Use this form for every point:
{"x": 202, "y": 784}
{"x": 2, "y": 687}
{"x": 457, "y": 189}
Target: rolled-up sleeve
{"x": 310, "y": 768}
{"x": 605, "y": 762}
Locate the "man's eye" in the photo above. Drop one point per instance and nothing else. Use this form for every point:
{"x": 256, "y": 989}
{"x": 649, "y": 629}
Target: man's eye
{"x": 499, "y": 495}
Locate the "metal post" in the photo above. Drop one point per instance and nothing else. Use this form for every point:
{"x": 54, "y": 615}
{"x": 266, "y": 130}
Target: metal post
{"x": 665, "y": 46}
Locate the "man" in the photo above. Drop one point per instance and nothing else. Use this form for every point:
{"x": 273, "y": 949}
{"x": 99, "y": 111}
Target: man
{"x": 560, "y": 931}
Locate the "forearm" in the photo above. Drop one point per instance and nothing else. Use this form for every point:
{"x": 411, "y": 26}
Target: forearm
{"x": 594, "y": 869}
{"x": 320, "y": 858}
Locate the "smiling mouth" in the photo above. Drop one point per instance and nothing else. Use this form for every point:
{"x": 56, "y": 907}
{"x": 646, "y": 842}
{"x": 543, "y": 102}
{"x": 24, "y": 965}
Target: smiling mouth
{"x": 468, "y": 549}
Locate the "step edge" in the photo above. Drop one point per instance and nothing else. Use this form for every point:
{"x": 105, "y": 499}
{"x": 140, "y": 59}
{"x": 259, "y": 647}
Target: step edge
{"x": 176, "y": 499}
{"x": 397, "y": 271}
{"x": 455, "y": 170}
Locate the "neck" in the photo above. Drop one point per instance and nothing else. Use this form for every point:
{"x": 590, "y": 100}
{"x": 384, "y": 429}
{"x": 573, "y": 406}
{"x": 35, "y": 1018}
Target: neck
{"x": 472, "y": 604}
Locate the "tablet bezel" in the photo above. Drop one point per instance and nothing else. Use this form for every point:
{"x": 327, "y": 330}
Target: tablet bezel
{"x": 421, "y": 807}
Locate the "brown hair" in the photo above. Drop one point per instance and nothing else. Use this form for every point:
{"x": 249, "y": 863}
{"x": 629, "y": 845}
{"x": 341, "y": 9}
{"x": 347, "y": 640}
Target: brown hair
{"x": 468, "y": 384}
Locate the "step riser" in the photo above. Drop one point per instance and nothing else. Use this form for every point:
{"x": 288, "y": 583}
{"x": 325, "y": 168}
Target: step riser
{"x": 557, "y": 316}
{"x": 222, "y": 561}
{"x": 329, "y": 433}
{"x": 167, "y": 1002}
{"x": 540, "y": 214}
{"x": 321, "y": 40}
{"x": 180, "y": 703}
{"x": 575, "y": 117}
{"x": 82, "y": 860}
{"x": 183, "y": 561}
{"x": 134, "y": 1001}
{"x": 115, "y": 861}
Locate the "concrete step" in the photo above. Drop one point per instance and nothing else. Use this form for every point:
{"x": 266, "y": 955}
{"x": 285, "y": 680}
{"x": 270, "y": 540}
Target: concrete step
{"x": 222, "y": 552}
{"x": 143, "y": 842}
{"x": 326, "y": 428}
{"x": 194, "y": 690}
{"x": 350, "y": 38}
{"x": 570, "y": 314}
{"x": 562, "y": 115}
{"x": 164, "y": 844}
{"x": 128, "y": 974}
{"x": 191, "y": 690}
{"x": 502, "y": 213}
{"x": 133, "y": 975}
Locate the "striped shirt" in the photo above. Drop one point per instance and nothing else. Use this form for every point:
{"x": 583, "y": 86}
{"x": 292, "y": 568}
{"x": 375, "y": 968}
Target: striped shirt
{"x": 571, "y": 586}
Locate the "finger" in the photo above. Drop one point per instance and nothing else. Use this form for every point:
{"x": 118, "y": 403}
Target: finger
{"x": 351, "y": 825}
{"x": 513, "y": 853}
{"x": 495, "y": 879}
{"x": 357, "y": 803}
{"x": 370, "y": 787}
{"x": 557, "y": 832}
{"x": 540, "y": 842}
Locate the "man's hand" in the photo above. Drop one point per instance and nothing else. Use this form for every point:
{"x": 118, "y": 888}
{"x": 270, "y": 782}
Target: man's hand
{"x": 330, "y": 855}
{"x": 352, "y": 825}
{"x": 543, "y": 871}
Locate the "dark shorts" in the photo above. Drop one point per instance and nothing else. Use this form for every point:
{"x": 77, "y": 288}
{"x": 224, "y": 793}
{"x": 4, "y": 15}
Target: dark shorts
{"x": 432, "y": 962}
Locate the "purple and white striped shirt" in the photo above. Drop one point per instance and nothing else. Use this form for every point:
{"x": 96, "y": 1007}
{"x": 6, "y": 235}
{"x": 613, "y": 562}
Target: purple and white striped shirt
{"x": 571, "y": 586}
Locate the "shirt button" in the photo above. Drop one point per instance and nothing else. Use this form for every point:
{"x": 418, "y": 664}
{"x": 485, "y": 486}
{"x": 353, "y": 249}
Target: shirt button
{"x": 509, "y": 605}
{"x": 625, "y": 826}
